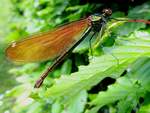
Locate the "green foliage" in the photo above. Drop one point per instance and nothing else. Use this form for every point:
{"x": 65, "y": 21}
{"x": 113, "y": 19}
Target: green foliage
{"x": 123, "y": 47}
{"x": 127, "y": 89}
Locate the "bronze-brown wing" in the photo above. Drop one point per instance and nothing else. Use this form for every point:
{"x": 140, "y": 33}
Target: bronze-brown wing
{"x": 47, "y": 45}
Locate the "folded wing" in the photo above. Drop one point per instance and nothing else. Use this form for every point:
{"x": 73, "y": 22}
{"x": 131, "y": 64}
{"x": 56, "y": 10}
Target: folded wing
{"x": 47, "y": 45}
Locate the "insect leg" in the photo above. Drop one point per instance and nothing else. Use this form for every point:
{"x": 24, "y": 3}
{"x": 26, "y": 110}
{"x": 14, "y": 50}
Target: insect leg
{"x": 90, "y": 44}
{"x": 99, "y": 39}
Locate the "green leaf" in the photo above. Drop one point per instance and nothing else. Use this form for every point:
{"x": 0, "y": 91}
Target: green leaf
{"x": 77, "y": 103}
{"x": 139, "y": 12}
{"x": 145, "y": 106}
{"x": 127, "y": 89}
{"x": 66, "y": 67}
{"x": 112, "y": 64}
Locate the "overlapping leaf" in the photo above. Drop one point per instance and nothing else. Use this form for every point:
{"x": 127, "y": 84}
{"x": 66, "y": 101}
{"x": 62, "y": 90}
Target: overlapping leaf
{"x": 112, "y": 64}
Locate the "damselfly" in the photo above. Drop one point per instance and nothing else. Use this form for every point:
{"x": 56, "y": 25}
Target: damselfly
{"x": 58, "y": 43}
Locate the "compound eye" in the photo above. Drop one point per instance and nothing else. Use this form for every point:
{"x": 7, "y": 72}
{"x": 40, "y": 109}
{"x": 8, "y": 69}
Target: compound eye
{"x": 107, "y": 11}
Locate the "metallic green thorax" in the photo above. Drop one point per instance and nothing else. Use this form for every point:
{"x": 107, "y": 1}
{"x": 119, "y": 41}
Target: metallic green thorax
{"x": 95, "y": 18}
{"x": 98, "y": 23}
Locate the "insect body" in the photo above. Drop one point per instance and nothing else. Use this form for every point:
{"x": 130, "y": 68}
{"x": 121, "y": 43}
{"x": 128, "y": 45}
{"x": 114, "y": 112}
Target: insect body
{"x": 58, "y": 43}
{"x": 55, "y": 44}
